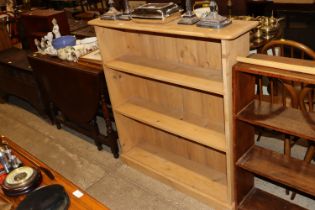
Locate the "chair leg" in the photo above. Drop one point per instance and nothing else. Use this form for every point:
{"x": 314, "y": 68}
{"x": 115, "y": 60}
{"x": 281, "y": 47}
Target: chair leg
{"x": 259, "y": 135}
{"x": 113, "y": 144}
{"x": 112, "y": 135}
{"x": 106, "y": 115}
{"x": 53, "y": 113}
{"x": 96, "y": 134}
{"x": 287, "y": 146}
{"x": 309, "y": 153}
{"x": 287, "y": 152}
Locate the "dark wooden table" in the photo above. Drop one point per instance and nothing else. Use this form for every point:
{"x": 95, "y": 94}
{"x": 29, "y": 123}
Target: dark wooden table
{"x": 16, "y": 78}
{"x": 73, "y": 93}
{"x": 86, "y": 202}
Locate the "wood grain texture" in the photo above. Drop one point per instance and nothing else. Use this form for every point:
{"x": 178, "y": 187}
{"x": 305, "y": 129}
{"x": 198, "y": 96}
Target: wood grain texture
{"x": 200, "y": 108}
{"x": 198, "y": 52}
{"x": 169, "y": 86}
{"x": 272, "y": 165}
{"x": 83, "y": 203}
{"x": 258, "y": 199}
{"x": 243, "y": 135}
{"x": 232, "y": 31}
{"x": 274, "y": 72}
{"x": 175, "y": 126}
{"x": 140, "y": 133}
{"x": 188, "y": 76}
{"x": 289, "y": 64}
{"x": 230, "y": 50}
{"x": 190, "y": 177}
{"x": 276, "y": 117}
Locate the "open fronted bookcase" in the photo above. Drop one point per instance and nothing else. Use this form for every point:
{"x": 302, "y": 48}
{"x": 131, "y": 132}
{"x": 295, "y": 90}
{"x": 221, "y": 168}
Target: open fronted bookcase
{"x": 252, "y": 112}
{"x": 170, "y": 88}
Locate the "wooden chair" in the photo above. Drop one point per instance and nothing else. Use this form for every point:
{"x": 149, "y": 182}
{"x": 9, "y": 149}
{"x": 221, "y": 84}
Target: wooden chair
{"x": 91, "y": 9}
{"x": 300, "y": 95}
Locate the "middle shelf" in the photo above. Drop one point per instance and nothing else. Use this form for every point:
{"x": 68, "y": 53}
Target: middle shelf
{"x": 283, "y": 119}
{"x": 204, "y": 136}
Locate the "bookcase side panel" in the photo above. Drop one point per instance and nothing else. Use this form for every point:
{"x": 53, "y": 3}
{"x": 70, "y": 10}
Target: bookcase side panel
{"x": 112, "y": 43}
{"x": 230, "y": 50}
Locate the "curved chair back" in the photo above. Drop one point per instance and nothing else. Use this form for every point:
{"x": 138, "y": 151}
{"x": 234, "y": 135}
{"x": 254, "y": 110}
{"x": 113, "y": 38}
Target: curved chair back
{"x": 288, "y": 48}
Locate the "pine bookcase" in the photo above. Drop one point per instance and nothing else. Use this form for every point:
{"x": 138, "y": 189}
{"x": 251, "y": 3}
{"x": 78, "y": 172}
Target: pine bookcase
{"x": 171, "y": 90}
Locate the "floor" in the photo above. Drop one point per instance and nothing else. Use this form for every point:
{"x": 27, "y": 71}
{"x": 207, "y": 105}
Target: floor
{"x": 75, "y": 156}
{"x": 107, "y": 179}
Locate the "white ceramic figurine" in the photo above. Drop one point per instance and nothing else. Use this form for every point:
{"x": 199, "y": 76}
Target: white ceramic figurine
{"x": 55, "y": 29}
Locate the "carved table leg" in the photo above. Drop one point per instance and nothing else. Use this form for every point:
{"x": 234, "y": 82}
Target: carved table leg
{"x": 96, "y": 134}
{"x": 110, "y": 133}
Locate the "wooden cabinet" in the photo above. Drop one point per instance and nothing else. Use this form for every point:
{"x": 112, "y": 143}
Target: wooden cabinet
{"x": 170, "y": 88}
{"x": 17, "y": 79}
{"x": 37, "y": 23}
{"x": 250, "y": 113}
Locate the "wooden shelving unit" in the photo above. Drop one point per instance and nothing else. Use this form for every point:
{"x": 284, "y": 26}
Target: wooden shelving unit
{"x": 251, "y": 113}
{"x": 170, "y": 88}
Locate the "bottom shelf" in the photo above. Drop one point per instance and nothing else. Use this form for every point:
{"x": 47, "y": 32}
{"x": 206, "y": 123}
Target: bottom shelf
{"x": 259, "y": 199}
{"x": 272, "y": 165}
{"x": 188, "y": 176}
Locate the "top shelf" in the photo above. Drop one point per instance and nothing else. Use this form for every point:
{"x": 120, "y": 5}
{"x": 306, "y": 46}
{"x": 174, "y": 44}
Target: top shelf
{"x": 232, "y": 31}
{"x": 180, "y": 74}
{"x": 277, "y": 66}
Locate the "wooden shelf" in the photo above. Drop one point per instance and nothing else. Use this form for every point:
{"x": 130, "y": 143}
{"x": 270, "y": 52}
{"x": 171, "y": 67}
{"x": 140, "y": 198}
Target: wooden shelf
{"x": 189, "y": 176}
{"x": 272, "y": 165}
{"x": 287, "y": 120}
{"x": 180, "y": 74}
{"x": 232, "y": 31}
{"x": 284, "y": 63}
{"x": 258, "y": 199}
{"x": 204, "y": 136}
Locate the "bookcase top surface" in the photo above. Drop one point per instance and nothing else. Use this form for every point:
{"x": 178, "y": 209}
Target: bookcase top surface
{"x": 232, "y": 31}
{"x": 298, "y": 70}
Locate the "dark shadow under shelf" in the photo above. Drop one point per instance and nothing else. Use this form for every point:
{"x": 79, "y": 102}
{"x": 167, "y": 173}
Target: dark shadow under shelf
{"x": 260, "y": 200}
{"x": 272, "y": 165}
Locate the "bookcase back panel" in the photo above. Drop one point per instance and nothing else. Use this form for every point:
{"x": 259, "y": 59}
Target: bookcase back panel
{"x": 202, "y": 109}
{"x": 142, "y": 135}
{"x": 199, "y": 52}
{"x": 109, "y": 47}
